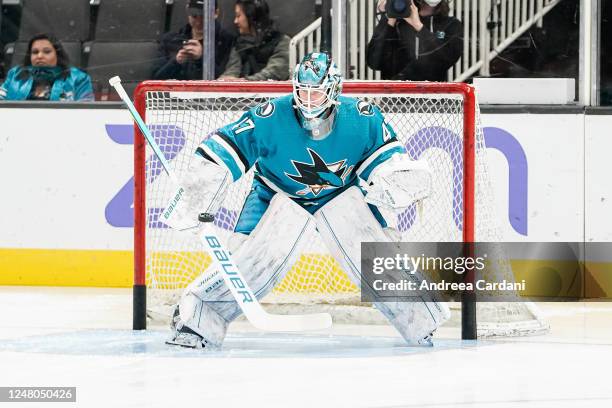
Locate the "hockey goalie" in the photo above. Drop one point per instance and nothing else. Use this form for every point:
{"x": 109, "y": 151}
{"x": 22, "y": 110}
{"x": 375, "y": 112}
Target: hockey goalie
{"x": 324, "y": 163}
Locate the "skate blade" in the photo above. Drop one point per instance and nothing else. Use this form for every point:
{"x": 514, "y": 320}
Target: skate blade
{"x": 186, "y": 340}
{"x": 426, "y": 341}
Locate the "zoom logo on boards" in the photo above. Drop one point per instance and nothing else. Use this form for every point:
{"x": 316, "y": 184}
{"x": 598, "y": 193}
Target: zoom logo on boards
{"x": 435, "y": 137}
{"x": 119, "y": 210}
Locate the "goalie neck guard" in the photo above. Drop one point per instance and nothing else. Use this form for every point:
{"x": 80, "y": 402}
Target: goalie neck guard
{"x": 317, "y": 84}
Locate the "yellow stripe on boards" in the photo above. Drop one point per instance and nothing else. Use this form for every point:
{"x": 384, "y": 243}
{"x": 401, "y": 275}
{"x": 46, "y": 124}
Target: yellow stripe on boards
{"x": 59, "y": 267}
{"x": 313, "y": 273}
{"x": 316, "y": 273}
{"x": 598, "y": 280}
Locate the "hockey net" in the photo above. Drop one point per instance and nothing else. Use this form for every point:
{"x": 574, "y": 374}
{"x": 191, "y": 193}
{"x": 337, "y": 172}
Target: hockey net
{"x": 435, "y": 121}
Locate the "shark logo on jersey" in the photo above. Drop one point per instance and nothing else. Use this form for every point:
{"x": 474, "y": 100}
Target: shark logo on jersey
{"x": 365, "y": 108}
{"x": 318, "y": 175}
{"x": 265, "y": 110}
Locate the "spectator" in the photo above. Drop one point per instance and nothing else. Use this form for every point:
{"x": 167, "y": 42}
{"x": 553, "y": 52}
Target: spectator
{"x": 46, "y": 76}
{"x": 260, "y": 52}
{"x": 180, "y": 53}
{"x": 421, "y": 47}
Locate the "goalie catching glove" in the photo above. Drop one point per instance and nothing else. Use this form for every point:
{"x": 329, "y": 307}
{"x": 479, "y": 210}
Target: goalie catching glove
{"x": 200, "y": 189}
{"x": 396, "y": 184}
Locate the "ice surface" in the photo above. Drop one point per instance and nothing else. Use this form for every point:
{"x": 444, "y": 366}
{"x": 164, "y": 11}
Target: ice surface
{"x": 237, "y": 345}
{"x": 81, "y": 337}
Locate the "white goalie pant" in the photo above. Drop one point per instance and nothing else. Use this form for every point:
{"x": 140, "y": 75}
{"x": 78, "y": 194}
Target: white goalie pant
{"x": 264, "y": 257}
{"x": 344, "y": 223}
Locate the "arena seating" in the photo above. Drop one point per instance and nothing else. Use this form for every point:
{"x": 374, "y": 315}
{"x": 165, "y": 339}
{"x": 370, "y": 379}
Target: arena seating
{"x": 116, "y": 37}
{"x": 133, "y": 61}
{"x": 178, "y": 15}
{"x": 129, "y": 20}
{"x": 67, "y": 19}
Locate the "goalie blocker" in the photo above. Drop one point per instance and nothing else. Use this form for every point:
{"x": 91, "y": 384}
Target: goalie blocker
{"x": 182, "y": 210}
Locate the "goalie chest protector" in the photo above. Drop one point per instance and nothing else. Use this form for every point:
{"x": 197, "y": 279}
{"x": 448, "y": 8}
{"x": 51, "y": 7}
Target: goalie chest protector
{"x": 287, "y": 159}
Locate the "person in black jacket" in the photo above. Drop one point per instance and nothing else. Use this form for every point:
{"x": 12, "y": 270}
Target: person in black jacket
{"x": 421, "y": 47}
{"x": 180, "y": 54}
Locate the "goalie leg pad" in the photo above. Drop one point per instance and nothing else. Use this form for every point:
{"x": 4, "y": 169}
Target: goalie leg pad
{"x": 196, "y": 325}
{"x": 264, "y": 257}
{"x": 344, "y": 223}
{"x": 269, "y": 252}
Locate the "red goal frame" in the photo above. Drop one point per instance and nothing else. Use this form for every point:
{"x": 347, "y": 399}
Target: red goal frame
{"x": 465, "y": 91}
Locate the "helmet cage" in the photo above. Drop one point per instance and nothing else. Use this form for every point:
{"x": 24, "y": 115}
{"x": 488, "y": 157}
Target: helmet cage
{"x": 314, "y": 99}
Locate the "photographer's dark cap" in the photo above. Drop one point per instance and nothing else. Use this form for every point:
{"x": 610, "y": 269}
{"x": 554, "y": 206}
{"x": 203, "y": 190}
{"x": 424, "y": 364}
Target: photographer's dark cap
{"x": 195, "y": 7}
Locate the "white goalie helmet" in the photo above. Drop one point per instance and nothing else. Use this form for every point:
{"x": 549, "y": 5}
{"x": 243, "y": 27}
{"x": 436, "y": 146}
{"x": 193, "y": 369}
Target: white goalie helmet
{"x": 317, "y": 84}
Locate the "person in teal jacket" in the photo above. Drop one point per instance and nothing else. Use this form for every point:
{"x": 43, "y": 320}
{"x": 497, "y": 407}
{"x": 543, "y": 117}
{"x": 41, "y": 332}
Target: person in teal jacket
{"x": 46, "y": 76}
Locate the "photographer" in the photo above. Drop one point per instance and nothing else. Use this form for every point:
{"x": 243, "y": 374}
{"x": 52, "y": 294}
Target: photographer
{"x": 180, "y": 54}
{"x": 417, "y": 42}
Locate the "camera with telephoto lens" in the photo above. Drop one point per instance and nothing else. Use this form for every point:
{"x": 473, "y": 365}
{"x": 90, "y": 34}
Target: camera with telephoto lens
{"x": 398, "y": 8}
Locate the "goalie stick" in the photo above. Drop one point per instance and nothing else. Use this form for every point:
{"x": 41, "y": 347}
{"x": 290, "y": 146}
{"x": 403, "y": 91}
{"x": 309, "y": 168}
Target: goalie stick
{"x": 221, "y": 257}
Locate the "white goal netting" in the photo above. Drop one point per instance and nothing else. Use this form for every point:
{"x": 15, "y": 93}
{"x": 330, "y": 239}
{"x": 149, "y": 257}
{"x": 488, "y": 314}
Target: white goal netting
{"x": 429, "y": 120}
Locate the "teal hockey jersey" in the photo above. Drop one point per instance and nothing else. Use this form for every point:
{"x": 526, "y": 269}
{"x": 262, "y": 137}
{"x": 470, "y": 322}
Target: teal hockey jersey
{"x": 288, "y": 160}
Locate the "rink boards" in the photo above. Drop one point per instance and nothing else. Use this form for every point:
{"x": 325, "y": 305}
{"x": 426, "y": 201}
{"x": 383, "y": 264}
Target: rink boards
{"x": 66, "y": 217}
